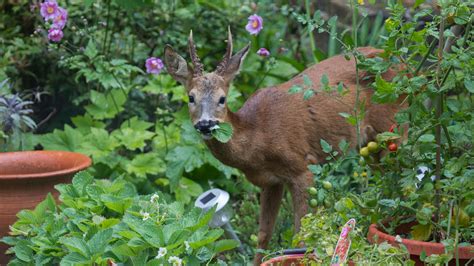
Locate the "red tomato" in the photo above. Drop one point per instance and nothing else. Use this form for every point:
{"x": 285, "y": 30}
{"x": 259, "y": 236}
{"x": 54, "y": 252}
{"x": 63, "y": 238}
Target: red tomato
{"x": 392, "y": 147}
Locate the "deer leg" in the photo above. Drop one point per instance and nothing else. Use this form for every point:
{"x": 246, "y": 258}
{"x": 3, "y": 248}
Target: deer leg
{"x": 270, "y": 200}
{"x": 298, "y": 189}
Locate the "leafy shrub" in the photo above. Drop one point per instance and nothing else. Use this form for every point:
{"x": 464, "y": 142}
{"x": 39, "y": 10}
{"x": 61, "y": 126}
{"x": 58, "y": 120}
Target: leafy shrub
{"x": 101, "y": 221}
{"x": 320, "y": 232}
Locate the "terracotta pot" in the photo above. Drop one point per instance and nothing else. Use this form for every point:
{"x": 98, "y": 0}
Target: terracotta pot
{"x": 292, "y": 260}
{"x": 415, "y": 247}
{"x": 285, "y": 260}
{"x": 27, "y": 177}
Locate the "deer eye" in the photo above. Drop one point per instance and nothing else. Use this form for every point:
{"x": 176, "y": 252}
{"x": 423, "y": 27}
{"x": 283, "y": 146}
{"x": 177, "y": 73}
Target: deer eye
{"x": 191, "y": 99}
{"x": 222, "y": 100}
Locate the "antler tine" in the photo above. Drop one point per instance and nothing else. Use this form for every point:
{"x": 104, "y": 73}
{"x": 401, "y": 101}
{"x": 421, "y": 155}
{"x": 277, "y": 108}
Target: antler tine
{"x": 198, "y": 68}
{"x": 223, "y": 65}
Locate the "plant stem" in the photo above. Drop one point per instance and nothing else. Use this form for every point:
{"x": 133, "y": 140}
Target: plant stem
{"x": 104, "y": 45}
{"x": 438, "y": 113}
{"x": 310, "y": 32}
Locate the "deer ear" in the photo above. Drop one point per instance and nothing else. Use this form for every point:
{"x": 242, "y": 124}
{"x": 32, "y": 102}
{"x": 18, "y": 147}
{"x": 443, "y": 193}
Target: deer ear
{"x": 235, "y": 62}
{"x": 176, "y": 65}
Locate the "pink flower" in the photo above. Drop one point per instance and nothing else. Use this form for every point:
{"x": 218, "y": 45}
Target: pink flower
{"x": 263, "y": 52}
{"x": 55, "y": 34}
{"x": 255, "y": 24}
{"x": 49, "y": 9}
{"x": 60, "y": 20}
{"x": 154, "y": 65}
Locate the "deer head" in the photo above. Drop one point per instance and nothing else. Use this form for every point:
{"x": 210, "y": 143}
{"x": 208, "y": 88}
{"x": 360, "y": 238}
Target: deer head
{"x": 207, "y": 91}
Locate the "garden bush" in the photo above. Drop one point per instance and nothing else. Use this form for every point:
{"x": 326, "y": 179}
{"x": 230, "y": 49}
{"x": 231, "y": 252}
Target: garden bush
{"x": 99, "y": 222}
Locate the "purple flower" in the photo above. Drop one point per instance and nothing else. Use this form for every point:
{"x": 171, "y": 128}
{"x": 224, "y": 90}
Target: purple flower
{"x": 154, "y": 65}
{"x": 255, "y": 24}
{"x": 263, "y": 52}
{"x": 55, "y": 34}
{"x": 60, "y": 20}
{"x": 49, "y": 9}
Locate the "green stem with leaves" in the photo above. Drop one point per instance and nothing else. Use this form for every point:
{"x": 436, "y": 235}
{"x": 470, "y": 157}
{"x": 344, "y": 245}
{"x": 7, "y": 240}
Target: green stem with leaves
{"x": 310, "y": 32}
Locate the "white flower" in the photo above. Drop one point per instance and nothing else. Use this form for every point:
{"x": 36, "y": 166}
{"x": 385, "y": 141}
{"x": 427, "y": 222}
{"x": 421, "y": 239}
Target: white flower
{"x": 154, "y": 198}
{"x": 186, "y": 244}
{"x": 145, "y": 215}
{"x": 175, "y": 261}
{"x": 161, "y": 253}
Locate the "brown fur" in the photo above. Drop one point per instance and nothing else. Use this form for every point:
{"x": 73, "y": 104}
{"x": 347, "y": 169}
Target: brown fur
{"x": 277, "y": 134}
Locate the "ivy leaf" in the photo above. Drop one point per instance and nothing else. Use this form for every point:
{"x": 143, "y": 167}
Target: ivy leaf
{"x": 223, "y": 133}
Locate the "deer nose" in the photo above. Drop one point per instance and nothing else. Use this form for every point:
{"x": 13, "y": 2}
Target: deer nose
{"x": 205, "y": 125}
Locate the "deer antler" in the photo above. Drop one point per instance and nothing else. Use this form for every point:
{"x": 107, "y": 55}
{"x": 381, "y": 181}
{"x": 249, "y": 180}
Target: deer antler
{"x": 223, "y": 65}
{"x": 198, "y": 68}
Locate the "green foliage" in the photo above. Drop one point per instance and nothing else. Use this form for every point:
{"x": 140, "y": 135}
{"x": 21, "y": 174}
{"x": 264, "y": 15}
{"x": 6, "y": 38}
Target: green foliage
{"x": 320, "y": 232}
{"x": 100, "y": 221}
{"x": 223, "y": 133}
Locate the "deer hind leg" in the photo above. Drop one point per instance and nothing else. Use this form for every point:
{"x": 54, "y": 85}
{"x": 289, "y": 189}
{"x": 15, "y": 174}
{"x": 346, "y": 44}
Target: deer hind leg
{"x": 298, "y": 189}
{"x": 270, "y": 200}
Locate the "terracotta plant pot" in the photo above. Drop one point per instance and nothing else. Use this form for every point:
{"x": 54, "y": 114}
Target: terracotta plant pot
{"x": 27, "y": 177}
{"x": 286, "y": 260}
{"x": 415, "y": 247}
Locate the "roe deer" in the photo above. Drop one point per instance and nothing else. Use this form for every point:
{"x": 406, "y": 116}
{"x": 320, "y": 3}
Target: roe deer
{"x": 276, "y": 134}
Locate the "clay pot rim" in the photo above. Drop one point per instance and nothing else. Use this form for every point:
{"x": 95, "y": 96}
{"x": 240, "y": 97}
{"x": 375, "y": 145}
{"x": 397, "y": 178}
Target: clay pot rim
{"x": 83, "y": 162}
{"x": 434, "y": 247}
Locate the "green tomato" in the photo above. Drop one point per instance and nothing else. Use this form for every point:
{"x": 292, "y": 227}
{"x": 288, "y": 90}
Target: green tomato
{"x": 327, "y": 185}
{"x": 373, "y": 147}
{"x": 313, "y": 203}
{"x": 312, "y": 191}
{"x": 364, "y": 152}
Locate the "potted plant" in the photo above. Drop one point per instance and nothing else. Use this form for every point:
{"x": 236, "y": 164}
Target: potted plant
{"x": 426, "y": 176}
{"x": 26, "y": 177}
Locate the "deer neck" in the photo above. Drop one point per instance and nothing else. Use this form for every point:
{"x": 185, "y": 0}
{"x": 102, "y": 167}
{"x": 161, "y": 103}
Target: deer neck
{"x": 235, "y": 152}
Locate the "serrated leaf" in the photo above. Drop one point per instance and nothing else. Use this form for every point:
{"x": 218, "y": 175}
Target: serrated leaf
{"x": 325, "y": 80}
{"x": 325, "y": 146}
{"x": 223, "y": 133}
{"x": 91, "y": 50}
{"x": 308, "y": 94}
{"x": 98, "y": 242}
{"x": 295, "y": 89}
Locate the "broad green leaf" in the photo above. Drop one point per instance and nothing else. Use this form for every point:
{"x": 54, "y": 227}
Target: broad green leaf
{"x": 105, "y": 105}
{"x": 226, "y": 244}
{"x": 73, "y": 259}
{"x": 143, "y": 164}
{"x": 68, "y": 140}
{"x": 133, "y": 139}
{"x": 23, "y": 251}
{"x": 187, "y": 189}
{"x": 77, "y": 245}
{"x": 91, "y": 50}
{"x": 98, "y": 242}
{"x": 81, "y": 180}
{"x": 427, "y": 138}
{"x": 421, "y": 232}
{"x": 308, "y": 94}
{"x": 223, "y": 133}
